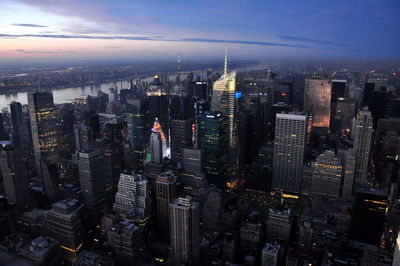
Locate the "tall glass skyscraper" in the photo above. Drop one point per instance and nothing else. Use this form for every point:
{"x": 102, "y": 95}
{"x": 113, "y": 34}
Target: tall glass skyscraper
{"x": 43, "y": 126}
{"x": 223, "y": 101}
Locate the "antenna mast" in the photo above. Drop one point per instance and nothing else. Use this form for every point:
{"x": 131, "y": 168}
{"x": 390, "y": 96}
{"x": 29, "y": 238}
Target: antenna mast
{"x": 226, "y": 62}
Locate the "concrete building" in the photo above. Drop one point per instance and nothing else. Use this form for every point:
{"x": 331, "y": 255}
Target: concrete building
{"x": 64, "y": 224}
{"x": 128, "y": 242}
{"x": 166, "y": 193}
{"x": 184, "y": 231}
{"x": 362, "y": 145}
{"x": 279, "y": 224}
{"x": 133, "y": 198}
{"x": 92, "y": 179}
{"x": 15, "y": 176}
{"x": 270, "y": 255}
{"x": 290, "y": 140}
{"x": 327, "y": 175}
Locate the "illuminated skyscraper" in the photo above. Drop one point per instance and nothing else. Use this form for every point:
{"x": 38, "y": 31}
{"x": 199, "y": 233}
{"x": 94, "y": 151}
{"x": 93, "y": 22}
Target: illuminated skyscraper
{"x": 43, "y": 126}
{"x": 317, "y": 100}
{"x": 290, "y": 140}
{"x": 223, "y": 101}
{"x": 362, "y": 145}
{"x": 184, "y": 229}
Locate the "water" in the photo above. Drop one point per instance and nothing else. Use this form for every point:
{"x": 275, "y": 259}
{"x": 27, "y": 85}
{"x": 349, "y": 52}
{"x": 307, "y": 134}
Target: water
{"x": 64, "y": 95}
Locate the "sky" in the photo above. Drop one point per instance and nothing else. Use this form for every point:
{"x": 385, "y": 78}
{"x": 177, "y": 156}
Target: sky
{"x": 51, "y": 30}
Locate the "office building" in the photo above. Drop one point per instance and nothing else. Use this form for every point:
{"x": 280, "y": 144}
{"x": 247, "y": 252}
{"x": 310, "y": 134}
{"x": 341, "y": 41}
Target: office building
{"x": 251, "y": 235}
{"x": 128, "y": 242}
{"x": 166, "y": 193}
{"x": 43, "y": 251}
{"x": 279, "y": 225}
{"x": 362, "y": 145}
{"x": 214, "y": 139}
{"x": 43, "y": 126}
{"x": 327, "y": 175}
{"x": 184, "y": 231}
{"x": 317, "y": 100}
{"x": 64, "y": 224}
{"x": 14, "y": 175}
{"x": 87, "y": 258}
{"x": 17, "y": 124}
{"x": 133, "y": 198}
{"x": 158, "y": 146}
{"x": 348, "y": 158}
{"x": 347, "y": 108}
{"x": 92, "y": 179}
{"x": 290, "y": 139}
{"x": 223, "y": 100}
{"x": 283, "y": 93}
{"x": 181, "y": 137}
{"x": 270, "y": 255}
{"x": 138, "y": 128}
{"x": 368, "y": 216}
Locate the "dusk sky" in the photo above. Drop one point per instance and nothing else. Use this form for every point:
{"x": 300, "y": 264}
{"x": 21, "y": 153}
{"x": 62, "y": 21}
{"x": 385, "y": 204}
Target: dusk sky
{"x": 140, "y": 29}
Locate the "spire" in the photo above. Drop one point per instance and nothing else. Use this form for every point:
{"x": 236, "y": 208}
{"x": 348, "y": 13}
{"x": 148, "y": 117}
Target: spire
{"x": 226, "y": 62}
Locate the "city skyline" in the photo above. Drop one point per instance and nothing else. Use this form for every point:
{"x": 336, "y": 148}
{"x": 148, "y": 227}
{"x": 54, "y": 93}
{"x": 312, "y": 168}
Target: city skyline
{"x": 102, "y": 30}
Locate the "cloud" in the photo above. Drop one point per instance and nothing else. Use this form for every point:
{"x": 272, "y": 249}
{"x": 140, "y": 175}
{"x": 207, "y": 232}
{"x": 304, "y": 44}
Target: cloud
{"x": 149, "y": 38}
{"x": 113, "y": 47}
{"x": 313, "y": 41}
{"x": 28, "y": 25}
{"x": 243, "y": 42}
{"x": 28, "y": 51}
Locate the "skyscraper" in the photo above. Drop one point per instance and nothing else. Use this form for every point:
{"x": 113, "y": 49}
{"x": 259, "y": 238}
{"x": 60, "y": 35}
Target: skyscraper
{"x": 156, "y": 147}
{"x": 362, "y": 144}
{"x": 327, "y": 175}
{"x": 214, "y": 142}
{"x": 14, "y": 176}
{"x": 290, "y": 139}
{"x": 184, "y": 229}
{"x": 223, "y": 101}
{"x": 64, "y": 224}
{"x": 17, "y": 123}
{"x": 349, "y": 163}
{"x": 92, "y": 180}
{"x": 138, "y": 134}
{"x": 43, "y": 126}
{"x": 133, "y": 197}
{"x": 181, "y": 137}
{"x": 166, "y": 193}
{"x": 317, "y": 100}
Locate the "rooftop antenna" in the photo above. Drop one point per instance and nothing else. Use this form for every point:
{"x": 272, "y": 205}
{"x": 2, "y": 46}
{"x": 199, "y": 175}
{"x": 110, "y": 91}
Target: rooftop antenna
{"x": 226, "y": 62}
